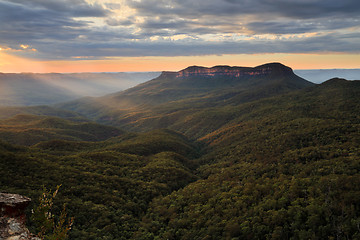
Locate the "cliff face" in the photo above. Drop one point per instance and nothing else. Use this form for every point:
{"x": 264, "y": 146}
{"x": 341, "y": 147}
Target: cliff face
{"x": 13, "y": 218}
{"x": 233, "y": 72}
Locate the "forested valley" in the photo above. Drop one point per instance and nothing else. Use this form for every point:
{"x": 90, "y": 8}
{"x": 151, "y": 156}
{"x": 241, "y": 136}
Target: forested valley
{"x": 204, "y": 153}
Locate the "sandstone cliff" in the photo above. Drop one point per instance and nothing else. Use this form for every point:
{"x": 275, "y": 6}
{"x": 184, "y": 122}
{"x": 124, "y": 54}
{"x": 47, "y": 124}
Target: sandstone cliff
{"x": 13, "y": 218}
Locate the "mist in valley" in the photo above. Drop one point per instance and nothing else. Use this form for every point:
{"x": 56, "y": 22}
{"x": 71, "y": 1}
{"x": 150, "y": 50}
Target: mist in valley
{"x": 29, "y": 89}
{"x": 321, "y": 75}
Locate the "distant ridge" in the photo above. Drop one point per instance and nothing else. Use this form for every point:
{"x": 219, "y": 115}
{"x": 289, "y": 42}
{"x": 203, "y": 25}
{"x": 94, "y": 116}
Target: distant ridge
{"x": 266, "y": 80}
{"x": 338, "y": 81}
{"x": 231, "y": 71}
{"x": 322, "y": 75}
{"x": 158, "y": 103}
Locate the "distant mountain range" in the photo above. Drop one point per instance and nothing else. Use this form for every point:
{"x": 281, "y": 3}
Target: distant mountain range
{"x": 30, "y": 89}
{"x": 321, "y": 75}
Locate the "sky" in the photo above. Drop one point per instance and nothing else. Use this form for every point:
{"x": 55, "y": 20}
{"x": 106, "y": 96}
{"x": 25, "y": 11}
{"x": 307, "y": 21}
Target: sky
{"x": 157, "y": 35}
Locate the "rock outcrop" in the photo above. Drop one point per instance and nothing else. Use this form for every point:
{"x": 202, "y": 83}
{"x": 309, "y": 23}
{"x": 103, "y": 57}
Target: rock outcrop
{"x": 13, "y": 218}
{"x": 234, "y": 72}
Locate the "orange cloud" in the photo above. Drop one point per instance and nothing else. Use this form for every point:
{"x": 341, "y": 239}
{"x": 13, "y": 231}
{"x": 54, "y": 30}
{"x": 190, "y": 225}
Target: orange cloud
{"x": 23, "y": 47}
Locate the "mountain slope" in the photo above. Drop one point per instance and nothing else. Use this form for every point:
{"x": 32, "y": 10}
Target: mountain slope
{"x": 30, "y": 129}
{"x": 8, "y": 112}
{"x": 286, "y": 168}
{"x": 157, "y": 102}
{"x": 171, "y": 86}
{"x": 106, "y": 185}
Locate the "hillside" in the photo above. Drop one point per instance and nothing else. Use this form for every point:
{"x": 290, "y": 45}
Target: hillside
{"x": 8, "y": 112}
{"x": 248, "y": 153}
{"x": 286, "y": 168}
{"x": 160, "y": 102}
{"x": 106, "y": 185}
{"x": 31, "y": 129}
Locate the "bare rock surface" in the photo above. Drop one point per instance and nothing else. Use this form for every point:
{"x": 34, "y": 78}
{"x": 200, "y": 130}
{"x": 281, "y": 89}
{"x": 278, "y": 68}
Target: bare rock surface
{"x": 13, "y": 218}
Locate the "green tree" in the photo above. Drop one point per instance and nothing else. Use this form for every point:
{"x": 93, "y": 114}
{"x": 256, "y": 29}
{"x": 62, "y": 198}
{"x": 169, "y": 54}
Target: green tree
{"x": 48, "y": 225}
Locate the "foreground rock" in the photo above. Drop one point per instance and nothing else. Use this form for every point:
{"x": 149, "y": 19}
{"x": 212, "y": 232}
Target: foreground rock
{"x": 13, "y": 218}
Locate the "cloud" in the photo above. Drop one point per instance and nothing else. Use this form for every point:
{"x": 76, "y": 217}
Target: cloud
{"x": 291, "y": 16}
{"x": 304, "y": 26}
{"x": 108, "y": 50}
{"x": 44, "y": 22}
{"x": 20, "y": 48}
{"x": 33, "y": 21}
{"x": 119, "y": 22}
{"x": 66, "y": 29}
{"x": 71, "y": 8}
{"x": 295, "y": 9}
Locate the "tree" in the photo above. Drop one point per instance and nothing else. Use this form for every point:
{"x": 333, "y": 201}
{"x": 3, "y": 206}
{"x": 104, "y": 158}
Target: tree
{"x": 48, "y": 225}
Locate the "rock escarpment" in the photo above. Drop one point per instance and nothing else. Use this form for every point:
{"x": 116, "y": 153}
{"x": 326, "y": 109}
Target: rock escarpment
{"x": 233, "y": 72}
{"x": 13, "y": 218}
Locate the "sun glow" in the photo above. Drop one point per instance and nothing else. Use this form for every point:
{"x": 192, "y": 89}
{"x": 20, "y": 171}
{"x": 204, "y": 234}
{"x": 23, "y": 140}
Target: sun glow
{"x": 10, "y": 63}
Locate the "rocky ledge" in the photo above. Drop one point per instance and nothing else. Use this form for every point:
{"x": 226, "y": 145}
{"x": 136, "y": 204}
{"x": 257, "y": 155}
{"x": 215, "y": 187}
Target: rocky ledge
{"x": 13, "y": 218}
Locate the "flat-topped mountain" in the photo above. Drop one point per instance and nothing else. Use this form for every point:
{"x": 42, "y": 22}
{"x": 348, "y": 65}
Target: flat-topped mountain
{"x": 225, "y": 76}
{"x": 232, "y": 72}
{"x": 192, "y": 88}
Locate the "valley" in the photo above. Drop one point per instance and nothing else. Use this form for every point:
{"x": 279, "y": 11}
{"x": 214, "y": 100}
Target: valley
{"x": 31, "y": 89}
{"x": 203, "y": 153}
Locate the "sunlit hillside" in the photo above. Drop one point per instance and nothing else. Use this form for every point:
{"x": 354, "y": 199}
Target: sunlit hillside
{"x": 203, "y": 153}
